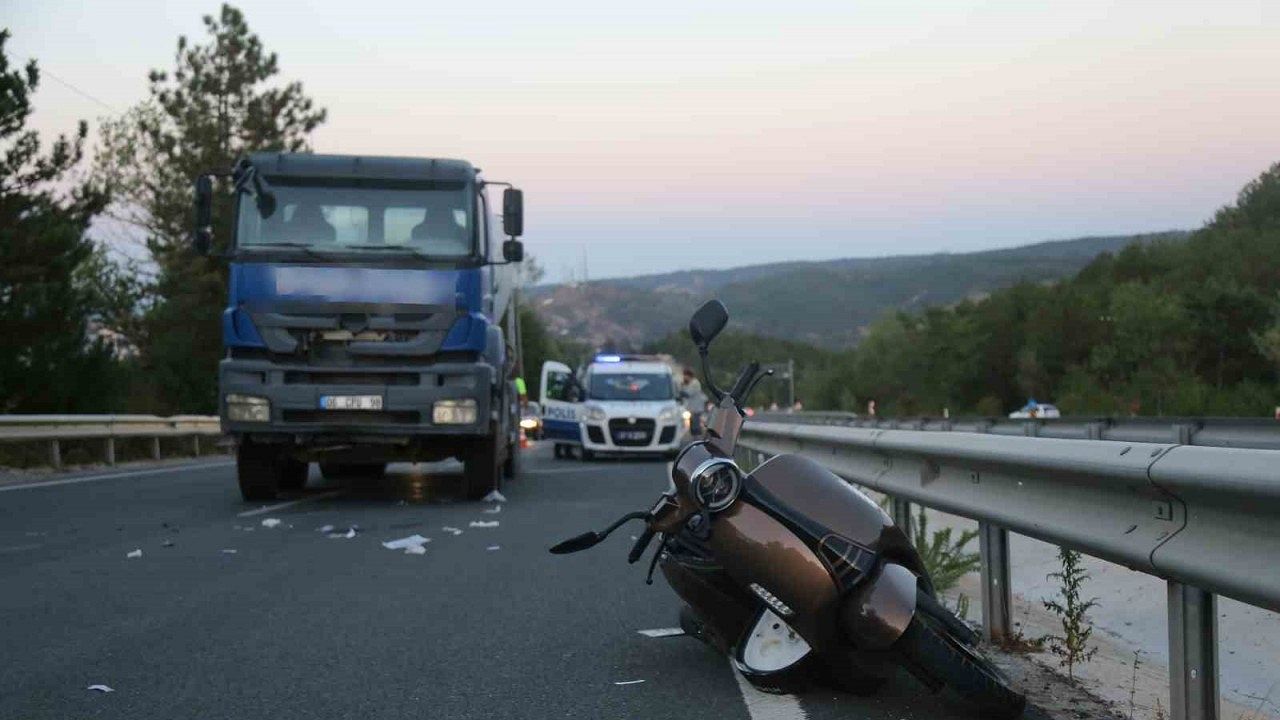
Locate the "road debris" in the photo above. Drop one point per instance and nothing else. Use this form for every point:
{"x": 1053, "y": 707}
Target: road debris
{"x": 628, "y": 682}
{"x": 661, "y": 632}
{"x": 229, "y": 551}
{"x": 134, "y": 554}
{"x": 270, "y": 522}
{"x": 494, "y": 547}
{"x": 494, "y": 497}
{"x": 412, "y": 545}
{"x": 350, "y": 533}
{"x": 483, "y": 523}
{"x": 101, "y": 688}
{"x": 166, "y": 543}
{"x": 325, "y": 529}
{"x": 452, "y": 530}
{"x": 494, "y": 509}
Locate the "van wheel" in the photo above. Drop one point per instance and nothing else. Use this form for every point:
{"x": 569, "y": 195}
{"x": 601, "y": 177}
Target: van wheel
{"x": 257, "y": 471}
{"x": 482, "y": 472}
{"x": 293, "y": 474}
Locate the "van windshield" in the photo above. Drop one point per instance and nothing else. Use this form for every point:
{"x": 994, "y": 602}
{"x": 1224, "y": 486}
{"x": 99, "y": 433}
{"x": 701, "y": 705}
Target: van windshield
{"x": 630, "y": 386}
{"x": 432, "y": 219}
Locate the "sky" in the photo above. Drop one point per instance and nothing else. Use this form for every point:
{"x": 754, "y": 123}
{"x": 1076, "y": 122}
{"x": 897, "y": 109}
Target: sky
{"x": 672, "y": 135}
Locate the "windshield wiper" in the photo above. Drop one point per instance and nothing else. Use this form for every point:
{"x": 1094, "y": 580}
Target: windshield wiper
{"x": 306, "y": 249}
{"x": 396, "y": 248}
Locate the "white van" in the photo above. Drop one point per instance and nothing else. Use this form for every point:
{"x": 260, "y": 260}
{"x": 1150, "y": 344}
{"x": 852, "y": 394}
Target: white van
{"x": 623, "y": 404}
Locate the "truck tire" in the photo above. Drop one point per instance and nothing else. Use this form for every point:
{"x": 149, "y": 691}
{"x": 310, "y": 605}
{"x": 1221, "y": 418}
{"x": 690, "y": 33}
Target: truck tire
{"x": 482, "y": 469}
{"x": 258, "y": 471}
{"x": 511, "y": 468}
{"x": 293, "y": 474}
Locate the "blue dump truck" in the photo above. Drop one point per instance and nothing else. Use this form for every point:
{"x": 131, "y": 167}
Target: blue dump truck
{"x": 369, "y": 317}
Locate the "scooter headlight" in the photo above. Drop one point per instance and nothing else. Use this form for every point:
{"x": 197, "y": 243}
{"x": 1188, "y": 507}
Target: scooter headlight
{"x": 716, "y": 483}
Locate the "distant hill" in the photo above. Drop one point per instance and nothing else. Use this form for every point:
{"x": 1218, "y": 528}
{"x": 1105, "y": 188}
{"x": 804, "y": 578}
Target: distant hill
{"x": 828, "y": 303}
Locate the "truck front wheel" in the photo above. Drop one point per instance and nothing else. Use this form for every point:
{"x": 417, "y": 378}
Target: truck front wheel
{"x": 482, "y": 468}
{"x": 258, "y": 469}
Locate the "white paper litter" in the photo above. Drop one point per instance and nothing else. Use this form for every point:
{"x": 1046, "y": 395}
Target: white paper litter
{"x": 494, "y": 496}
{"x": 416, "y": 550}
{"x": 134, "y": 554}
{"x": 455, "y": 531}
{"x": 494, "y": 547}
{"x": 101, "y": 688}
{"x": 661, "y": 632}
{"x": 405, "y": 543}
{"x": 628, "y": 682}
{"x": 228, "y": 551}
{"x": 270, "y": 522}
{"x": 350, "y": 533}
{"x": 325, "y": 529}
{"x": 483, "y": 524}
{"x": 494, "y": 509}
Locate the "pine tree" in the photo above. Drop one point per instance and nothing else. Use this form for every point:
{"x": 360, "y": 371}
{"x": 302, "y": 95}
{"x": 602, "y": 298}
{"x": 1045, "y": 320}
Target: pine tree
{"x": 219, "y": 102}
{"x": 46, "y": 362}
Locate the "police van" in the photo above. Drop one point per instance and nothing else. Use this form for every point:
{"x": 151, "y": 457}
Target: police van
{"x": 618, "y": 404}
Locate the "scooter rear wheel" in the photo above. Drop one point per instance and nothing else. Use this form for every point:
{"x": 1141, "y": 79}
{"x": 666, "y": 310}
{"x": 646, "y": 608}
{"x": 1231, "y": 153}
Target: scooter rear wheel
{"x": 961, "y": 669}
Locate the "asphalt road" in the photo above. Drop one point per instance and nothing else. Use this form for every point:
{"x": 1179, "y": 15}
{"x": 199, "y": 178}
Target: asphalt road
{"x": 294, "y": 624}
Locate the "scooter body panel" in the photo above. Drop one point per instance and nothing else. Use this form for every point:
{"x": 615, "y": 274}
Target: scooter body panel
{"x": 757, "y": 550}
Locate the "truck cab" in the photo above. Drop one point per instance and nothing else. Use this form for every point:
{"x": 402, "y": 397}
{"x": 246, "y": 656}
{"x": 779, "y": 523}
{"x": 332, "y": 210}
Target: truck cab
{"x": 369, "y": 318}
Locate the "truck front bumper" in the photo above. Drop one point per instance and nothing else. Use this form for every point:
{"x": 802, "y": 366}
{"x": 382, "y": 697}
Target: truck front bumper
{"x": 408, "y": 395}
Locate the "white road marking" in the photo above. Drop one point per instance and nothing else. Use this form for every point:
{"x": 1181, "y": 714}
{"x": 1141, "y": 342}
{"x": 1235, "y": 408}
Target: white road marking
{"x": 661, "y": 632}
{"x": 111, "y": 476}
{"x": 291, "y": 503}
{"x": 628, "y": 682}
{"x": 766, "y": 706}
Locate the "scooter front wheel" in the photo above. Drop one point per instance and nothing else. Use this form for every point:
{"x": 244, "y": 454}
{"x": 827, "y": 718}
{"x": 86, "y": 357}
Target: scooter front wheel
{"x": 979, "y": 684}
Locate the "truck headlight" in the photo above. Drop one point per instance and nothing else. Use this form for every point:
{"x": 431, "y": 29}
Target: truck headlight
{"x": 247, "y": 408}
{"x": 454, "y": 412}
{"x": 669, "y": 415}
{"x": 594, "y": 413}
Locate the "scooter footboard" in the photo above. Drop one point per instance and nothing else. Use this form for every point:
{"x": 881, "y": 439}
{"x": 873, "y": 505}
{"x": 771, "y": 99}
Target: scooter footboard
{"x": 876, "y": 614}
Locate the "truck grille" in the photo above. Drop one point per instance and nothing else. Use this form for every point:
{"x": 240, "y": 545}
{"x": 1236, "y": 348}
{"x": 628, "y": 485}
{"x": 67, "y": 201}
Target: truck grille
{"x": 631, "y": 434}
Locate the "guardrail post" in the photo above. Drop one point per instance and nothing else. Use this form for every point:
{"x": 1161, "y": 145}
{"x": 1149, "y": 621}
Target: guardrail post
{"x": 55, "y": 454}
{"x": 1193, "y": 653}
{"x": 111, "y": 451}
{"x": 997, "y": 599}
{"x": 900, "y": 510}
{"x": 155, "y": 447}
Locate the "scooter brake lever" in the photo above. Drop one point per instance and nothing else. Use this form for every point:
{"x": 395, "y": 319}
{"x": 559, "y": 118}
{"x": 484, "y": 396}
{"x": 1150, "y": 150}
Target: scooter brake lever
{"x": 700, "y": 525}
{"x": 653, "y": 562}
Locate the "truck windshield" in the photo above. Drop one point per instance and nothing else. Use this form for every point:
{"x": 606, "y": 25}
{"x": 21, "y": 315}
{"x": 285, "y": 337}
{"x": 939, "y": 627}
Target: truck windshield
{"x": 630, "y": 386}
{"x": 432, "y": 219}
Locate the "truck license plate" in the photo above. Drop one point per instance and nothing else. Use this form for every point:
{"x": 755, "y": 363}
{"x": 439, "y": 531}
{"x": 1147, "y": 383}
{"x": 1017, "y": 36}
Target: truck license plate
{"x": 350, "y": 402}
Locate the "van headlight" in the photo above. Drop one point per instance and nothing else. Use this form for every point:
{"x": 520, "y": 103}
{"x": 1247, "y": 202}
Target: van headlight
{"x": 247, "y": 408}
{"x": 594, "y": 413}
{"x": 669, "y": 415}
{"x": 716, "y": 483}
{"x": 454, "y": 412}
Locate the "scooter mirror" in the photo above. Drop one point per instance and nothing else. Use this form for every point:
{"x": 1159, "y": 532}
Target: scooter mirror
{"x": 574, "y": 544}
{"x": 707, "y": 323}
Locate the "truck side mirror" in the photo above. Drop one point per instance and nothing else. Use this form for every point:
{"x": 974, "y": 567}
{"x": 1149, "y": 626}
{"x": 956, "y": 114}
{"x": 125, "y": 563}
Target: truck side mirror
{"x": 512, "y": 251}
{"x": 202, "y": 237}
{"x": 512, "y": 213}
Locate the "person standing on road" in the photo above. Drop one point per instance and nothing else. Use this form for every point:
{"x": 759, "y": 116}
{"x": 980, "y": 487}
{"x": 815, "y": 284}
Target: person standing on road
{"x": 694, "y": 400}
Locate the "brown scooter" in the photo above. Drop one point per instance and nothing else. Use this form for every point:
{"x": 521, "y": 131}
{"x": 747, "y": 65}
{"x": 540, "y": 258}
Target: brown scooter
{"x": 796, "y": 575}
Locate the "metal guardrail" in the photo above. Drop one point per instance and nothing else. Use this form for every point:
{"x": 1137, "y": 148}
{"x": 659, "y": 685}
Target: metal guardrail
{"x": 1193, "y": 501}
{"x": 54, "y": 429}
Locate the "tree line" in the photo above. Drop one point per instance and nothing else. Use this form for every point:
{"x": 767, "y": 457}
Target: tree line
{"x": 1174, "y": 326}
